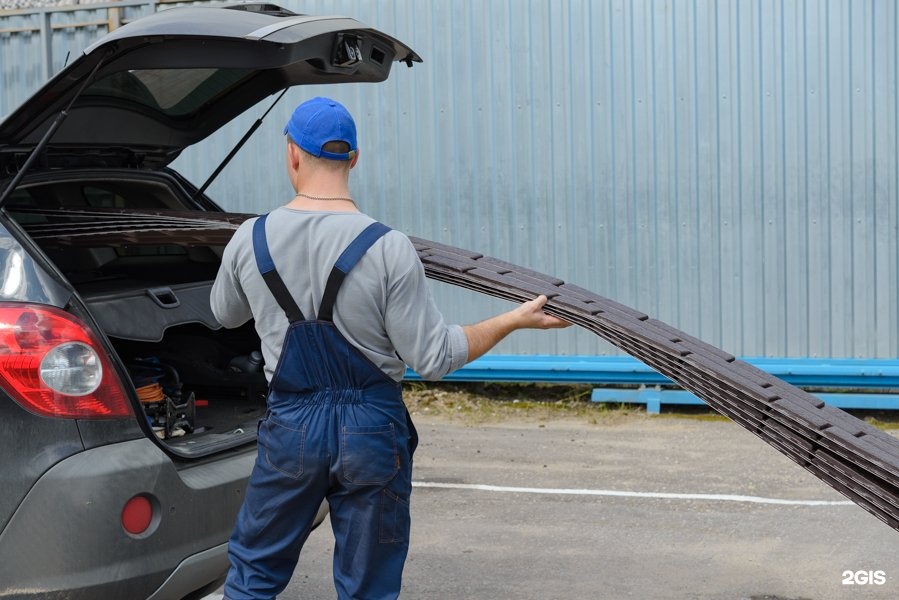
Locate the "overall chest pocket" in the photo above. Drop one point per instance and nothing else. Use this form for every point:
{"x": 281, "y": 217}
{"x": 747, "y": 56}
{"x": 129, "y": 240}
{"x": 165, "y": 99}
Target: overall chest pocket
{"x": 369, "y": 454}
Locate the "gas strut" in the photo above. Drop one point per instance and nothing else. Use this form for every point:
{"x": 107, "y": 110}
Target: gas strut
{"x": 48, "y": 134}
{"x": 236, "y": 148}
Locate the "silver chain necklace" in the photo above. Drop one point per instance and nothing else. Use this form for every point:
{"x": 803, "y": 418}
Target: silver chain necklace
{"x": 323, "y": 198}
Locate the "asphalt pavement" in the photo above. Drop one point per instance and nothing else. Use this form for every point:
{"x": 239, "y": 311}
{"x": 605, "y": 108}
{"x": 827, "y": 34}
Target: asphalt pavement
{"x": 640, "y": 507}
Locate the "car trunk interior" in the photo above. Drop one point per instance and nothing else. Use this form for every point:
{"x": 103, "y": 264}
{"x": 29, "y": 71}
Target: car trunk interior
{"x": 144, "y": 265}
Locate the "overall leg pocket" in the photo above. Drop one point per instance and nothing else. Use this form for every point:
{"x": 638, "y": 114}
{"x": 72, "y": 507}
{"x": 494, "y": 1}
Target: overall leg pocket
{"x": 283, "y": 445}
{"x": 395, "y": 521}
{"x": 369, "y": 455}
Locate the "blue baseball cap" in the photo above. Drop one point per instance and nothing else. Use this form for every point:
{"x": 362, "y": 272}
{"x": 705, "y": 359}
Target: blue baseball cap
{"x": 318, "y": 121}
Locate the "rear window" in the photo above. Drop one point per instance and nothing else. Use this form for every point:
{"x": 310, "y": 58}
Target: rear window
{"x": 51, "y": 204}
{"x": 174, "y": 92}
{"x": 118, "y": 229}
{"x": 112, "y": 193}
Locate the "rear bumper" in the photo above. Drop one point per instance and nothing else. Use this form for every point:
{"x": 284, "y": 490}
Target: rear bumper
{"x": 208, "y": 565}
{"x": 66, "y": 538}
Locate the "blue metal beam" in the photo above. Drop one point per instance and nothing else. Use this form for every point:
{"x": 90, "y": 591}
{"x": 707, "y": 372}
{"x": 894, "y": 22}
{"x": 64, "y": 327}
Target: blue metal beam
{"x": 655, "y": 398}
{"x": 625, "y": 370}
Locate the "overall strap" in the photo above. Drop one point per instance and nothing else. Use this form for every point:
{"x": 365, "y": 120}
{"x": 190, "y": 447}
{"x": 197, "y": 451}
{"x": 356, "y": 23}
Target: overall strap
{"x": 271, "y": 277}
{"x": 345, "y": 263}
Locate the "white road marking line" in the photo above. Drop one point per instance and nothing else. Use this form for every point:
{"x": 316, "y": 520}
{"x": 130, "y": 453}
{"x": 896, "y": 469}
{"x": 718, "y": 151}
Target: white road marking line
{"x": 626, "y": 494}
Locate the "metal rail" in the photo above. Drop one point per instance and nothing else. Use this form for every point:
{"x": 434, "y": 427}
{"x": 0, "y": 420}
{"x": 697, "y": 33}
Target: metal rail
{"x": 858, "y": 460}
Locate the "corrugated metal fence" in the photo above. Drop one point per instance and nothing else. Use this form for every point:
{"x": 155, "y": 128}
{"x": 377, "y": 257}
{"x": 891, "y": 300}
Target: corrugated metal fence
{"x": 728, "y": 167}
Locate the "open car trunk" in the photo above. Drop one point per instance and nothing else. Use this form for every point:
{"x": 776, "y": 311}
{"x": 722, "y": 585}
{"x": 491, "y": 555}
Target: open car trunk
{"x": 88, "y": 157}
{"x": 143, "y": 265}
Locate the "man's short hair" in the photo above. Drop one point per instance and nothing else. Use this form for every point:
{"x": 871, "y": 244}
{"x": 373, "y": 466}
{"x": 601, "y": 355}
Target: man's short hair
{"x": 325, "y": 163}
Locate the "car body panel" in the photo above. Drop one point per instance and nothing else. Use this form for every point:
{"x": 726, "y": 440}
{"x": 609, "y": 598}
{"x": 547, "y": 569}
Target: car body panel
{"x": 30, "y": 445}
{"x": 208, "y": 564}
{"x": 194, "y": 509}
{"x": 108, "y": 431}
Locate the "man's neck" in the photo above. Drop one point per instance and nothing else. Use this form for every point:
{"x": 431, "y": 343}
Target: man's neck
{"x": 338, "y": 200}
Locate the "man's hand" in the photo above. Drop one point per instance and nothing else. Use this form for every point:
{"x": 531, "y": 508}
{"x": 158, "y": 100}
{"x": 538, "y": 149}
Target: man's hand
{"x": 485, "y": 335}
{"x": 531, "y": 316}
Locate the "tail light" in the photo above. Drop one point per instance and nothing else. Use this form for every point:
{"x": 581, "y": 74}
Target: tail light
{"x": 52, "y": 364}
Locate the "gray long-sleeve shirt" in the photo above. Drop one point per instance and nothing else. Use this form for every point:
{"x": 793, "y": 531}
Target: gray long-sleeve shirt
{"x": 384, "y": 307}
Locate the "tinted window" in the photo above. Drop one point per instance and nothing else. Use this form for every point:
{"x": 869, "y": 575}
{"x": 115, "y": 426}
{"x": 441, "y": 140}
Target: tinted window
{"x": 96, "y": 197}
{"x": 175, "y": 92}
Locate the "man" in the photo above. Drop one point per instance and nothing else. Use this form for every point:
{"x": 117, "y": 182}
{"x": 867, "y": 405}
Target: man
{"x": 341, "y": 305}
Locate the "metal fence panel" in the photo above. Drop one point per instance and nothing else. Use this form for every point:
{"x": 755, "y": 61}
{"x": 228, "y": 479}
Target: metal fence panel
{"x": 729, "y": 167}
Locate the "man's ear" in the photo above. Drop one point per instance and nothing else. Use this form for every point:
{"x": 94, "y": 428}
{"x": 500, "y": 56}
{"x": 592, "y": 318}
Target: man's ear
{"x": 293, "y": 155}
{"x": 355, "y": 159}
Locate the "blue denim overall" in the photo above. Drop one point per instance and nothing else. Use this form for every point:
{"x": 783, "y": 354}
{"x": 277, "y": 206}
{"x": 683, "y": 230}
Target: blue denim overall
{"x": 336, "y": 429}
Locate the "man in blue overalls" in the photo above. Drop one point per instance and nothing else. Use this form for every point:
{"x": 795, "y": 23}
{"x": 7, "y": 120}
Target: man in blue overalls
{"x": 337, "y": 299}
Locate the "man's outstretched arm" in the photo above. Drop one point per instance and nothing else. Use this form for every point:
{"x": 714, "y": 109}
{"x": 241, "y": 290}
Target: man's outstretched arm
{"x": 488, "y": 333}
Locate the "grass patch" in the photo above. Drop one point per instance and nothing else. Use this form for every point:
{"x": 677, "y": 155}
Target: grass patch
{"x": 882, "y": 419}
{"x": 491, "y": 402}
